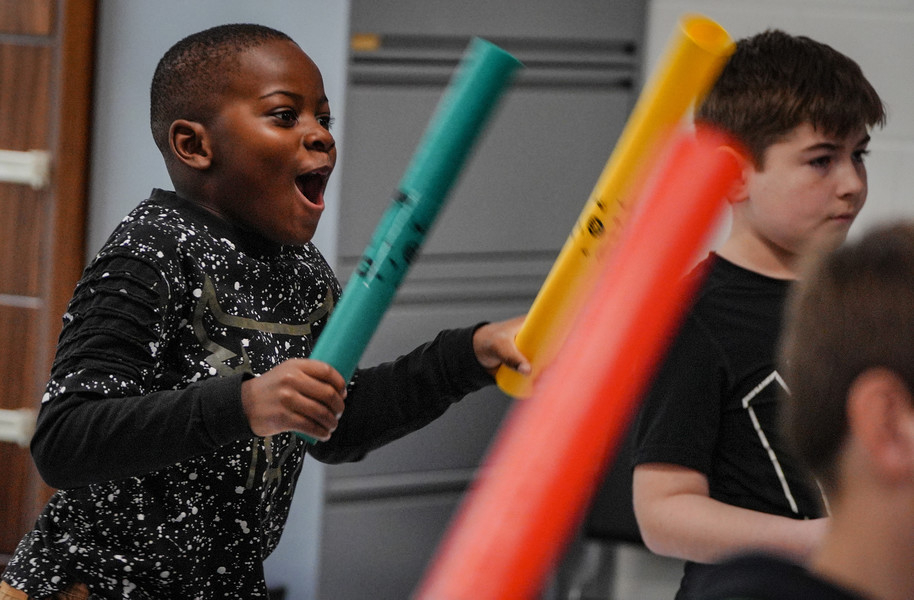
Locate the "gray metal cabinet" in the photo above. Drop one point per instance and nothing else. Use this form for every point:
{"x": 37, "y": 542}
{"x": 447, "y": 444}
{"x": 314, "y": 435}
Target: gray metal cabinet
{"x": 491, "y": 248}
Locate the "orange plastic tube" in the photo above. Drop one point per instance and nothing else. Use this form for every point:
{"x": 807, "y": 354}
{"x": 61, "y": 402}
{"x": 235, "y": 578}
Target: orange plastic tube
{"x": 548, "y": 458}
{"x": 697, "y": 52}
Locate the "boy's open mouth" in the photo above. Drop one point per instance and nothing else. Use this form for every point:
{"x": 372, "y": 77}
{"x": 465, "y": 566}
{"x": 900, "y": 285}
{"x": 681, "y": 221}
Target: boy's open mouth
{"x": 312, "y": 185}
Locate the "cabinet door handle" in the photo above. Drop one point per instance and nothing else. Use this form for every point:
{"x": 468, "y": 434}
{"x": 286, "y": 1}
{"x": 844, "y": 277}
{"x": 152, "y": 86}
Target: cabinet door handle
{"x": 32, "y": 167}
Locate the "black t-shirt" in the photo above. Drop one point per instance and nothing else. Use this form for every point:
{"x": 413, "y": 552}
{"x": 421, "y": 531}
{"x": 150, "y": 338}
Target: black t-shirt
{"x": 712, "y": 405}
{"x": 763, "y": 577}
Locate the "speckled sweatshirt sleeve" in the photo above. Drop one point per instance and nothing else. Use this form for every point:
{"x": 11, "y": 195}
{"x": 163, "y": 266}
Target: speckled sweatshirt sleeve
{"x": 395, "y": 398}
{"x": 112, "y": 415}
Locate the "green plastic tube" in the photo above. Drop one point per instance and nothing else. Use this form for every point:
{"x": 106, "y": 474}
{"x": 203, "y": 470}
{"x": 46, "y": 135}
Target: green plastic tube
{"x": 472, "y": 95}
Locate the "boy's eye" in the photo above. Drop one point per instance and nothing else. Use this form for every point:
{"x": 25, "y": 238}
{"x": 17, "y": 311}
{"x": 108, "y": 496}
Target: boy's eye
{"x": 821, "y": 162}
{"x": 326, "y": 121}
{"x": 287, "y": 116}
{"x": 860, "y": 156}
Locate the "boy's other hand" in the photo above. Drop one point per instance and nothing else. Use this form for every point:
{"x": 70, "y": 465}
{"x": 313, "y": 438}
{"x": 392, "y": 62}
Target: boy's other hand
{"x": 494, "y": 346}
{"x": 301, "y": 395}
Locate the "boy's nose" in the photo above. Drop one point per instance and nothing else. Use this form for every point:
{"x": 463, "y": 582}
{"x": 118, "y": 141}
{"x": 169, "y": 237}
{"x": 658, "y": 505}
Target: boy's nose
{"x": 319, "y": 138}
{"x": 853, "y": 179}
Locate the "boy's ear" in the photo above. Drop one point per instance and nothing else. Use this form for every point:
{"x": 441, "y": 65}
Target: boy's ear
{"x": 740, "y": 190}
{"x": 190, "y": 143}
{"x": 880, "y": 417}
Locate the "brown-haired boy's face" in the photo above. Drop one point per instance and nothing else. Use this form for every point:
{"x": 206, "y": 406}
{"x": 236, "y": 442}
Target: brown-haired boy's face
{"x": 272, "y": 151}
{"x": 809, "y": 192}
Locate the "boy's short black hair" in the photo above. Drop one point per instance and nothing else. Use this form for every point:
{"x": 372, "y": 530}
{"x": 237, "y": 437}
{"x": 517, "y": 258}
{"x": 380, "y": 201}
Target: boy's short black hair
{"x": 776, "y": 81}
{"x": 191, "y": 74}
{"x": 853, "y": 311}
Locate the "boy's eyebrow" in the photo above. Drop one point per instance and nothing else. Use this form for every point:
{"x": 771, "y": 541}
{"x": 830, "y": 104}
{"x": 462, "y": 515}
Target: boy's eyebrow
{"x": 295, "y": 96}
{"x": 282, "y": 93}
{"x": 834, "y": 146}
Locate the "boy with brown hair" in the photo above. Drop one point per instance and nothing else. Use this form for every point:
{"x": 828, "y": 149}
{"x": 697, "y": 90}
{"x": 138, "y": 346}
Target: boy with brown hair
{"x": 711, "y": 476}
{"x": 848, "y": 360}
{"x": 182, "y": 370}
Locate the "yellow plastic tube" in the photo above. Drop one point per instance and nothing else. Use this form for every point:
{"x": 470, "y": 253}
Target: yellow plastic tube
{"x": 696, "y": 54}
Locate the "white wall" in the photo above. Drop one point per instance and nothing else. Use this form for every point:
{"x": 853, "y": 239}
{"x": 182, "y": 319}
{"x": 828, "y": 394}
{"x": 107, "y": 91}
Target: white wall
{"x": 126, "y": 165}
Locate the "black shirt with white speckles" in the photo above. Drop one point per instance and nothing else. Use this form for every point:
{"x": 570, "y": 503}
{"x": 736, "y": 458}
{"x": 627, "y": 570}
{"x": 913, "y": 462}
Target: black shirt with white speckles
{"x": 164, "y": 490}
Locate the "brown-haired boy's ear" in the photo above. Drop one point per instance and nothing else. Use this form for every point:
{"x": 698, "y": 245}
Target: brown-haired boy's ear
{"x": 880, "y": 418}
{"x": 190, "y": 143}
{"x": 740, "y": 190}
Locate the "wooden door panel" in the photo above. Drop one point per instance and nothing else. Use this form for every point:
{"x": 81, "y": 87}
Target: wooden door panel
{"x": 27, "y": 17}
{"x": 25, "y": 126}
{"x": 46, "y": 57}
{"x": 25, "y": 100}
{"x": 19, "y": 326}
{"x": 22, "y": 226}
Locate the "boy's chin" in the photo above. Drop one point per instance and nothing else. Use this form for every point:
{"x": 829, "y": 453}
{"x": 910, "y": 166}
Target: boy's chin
{"x": 303, "y": 237}
{"x": 295, "y": 233}
{"x": 296, "y": 239}
{"x": 828, "y": 242}
{"x": 287, "y": 237}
